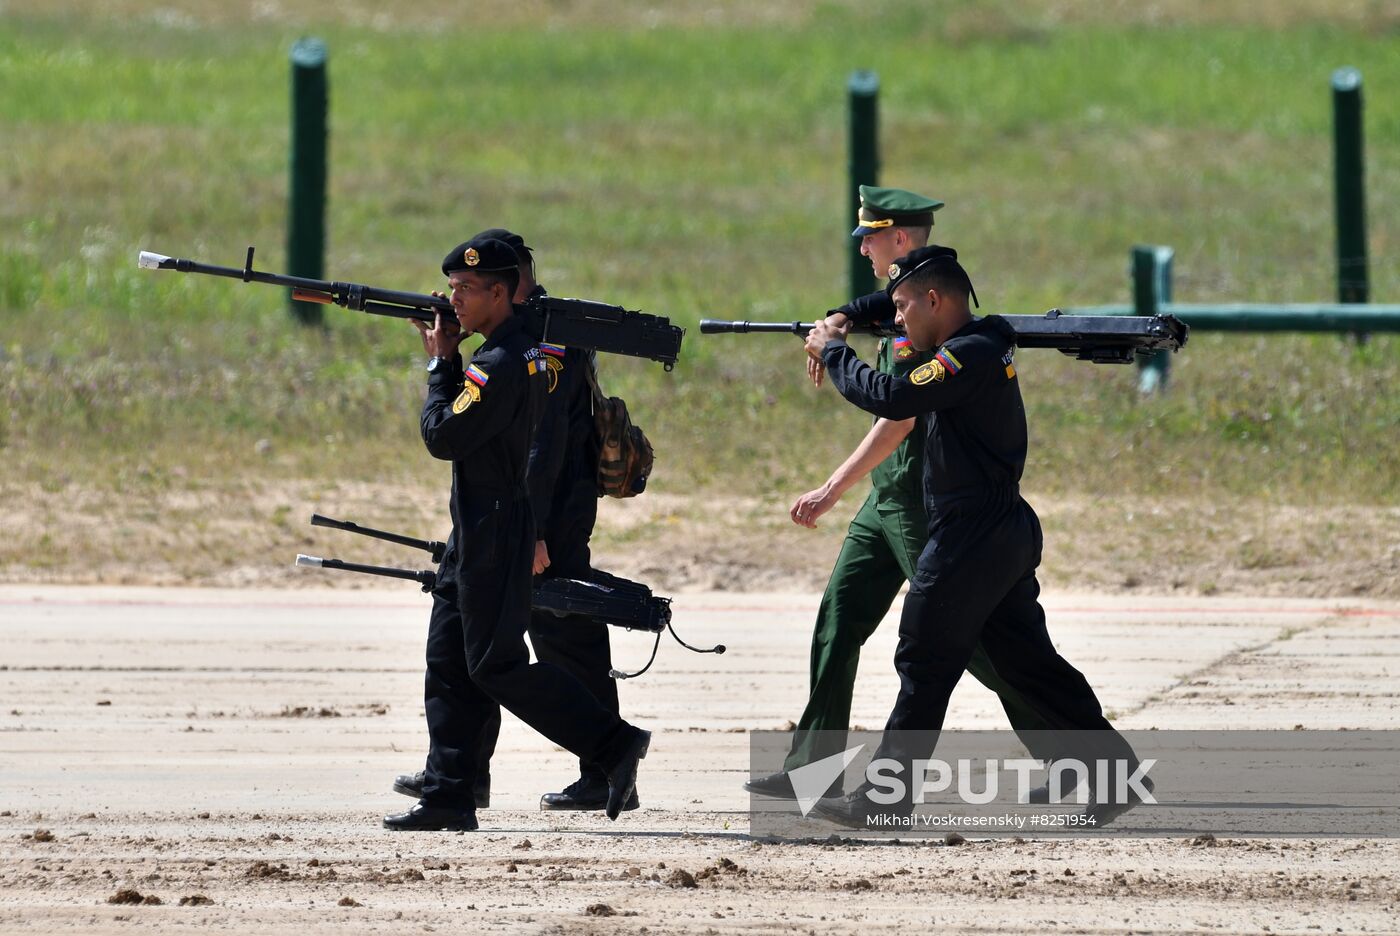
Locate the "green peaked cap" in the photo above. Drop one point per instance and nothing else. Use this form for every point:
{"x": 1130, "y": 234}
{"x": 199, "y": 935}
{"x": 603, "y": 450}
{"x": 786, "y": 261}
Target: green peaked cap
{"x": 891, "y": 207}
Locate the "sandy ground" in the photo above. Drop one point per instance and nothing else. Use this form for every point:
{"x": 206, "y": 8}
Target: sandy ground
{"x": 228, "y": 754}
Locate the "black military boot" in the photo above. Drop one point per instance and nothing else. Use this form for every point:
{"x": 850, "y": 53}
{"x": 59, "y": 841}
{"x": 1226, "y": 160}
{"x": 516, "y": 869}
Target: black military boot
{"x": 589, "y": 792}
{"x": 777, "y": 785}
{"x": 622, "y": 779}
{"x": 425, "y": 818}
{"x": 1098, "y": 814}
{"x": 412, "y": 785}
{"x": 1040, "y": 796}
{"x": 856, "y": 810}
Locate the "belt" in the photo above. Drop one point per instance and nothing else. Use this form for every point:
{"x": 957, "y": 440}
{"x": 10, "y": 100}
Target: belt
{"x": 1004, "y": 493}
{"x": 491, "y": 496}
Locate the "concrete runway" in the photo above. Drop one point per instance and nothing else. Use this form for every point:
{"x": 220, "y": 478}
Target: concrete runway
{"x": 215, "y": 727}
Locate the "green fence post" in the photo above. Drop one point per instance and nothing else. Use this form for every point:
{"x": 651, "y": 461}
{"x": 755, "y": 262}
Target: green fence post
{"x": 864, "y": 167}
{"x": 306, "y": 221}
{"x": 1348, "y": 160}
{"x": 1152, "y": 286}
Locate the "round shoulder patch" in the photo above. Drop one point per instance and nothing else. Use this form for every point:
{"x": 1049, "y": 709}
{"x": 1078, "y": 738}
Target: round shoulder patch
{"x": 470, "y": 394}
{"x": 927, "y": 373}
{"x": 556, "y": 366}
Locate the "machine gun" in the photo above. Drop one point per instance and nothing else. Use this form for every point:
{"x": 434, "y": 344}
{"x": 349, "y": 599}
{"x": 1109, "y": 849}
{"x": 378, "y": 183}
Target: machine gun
{"x": 1102, "y": 339}
{"x": 603, "y": 597}
{"x": 579, "y": 323}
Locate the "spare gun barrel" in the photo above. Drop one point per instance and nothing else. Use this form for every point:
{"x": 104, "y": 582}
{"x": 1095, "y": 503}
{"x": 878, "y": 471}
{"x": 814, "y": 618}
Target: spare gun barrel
{"x": 425, "y": 577}
{"x": 431, "y": 546}
{"x": 613, "y": 601}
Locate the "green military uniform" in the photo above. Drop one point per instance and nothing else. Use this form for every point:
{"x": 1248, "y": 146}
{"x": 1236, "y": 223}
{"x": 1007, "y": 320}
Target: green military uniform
{"x": 881, "y": 547}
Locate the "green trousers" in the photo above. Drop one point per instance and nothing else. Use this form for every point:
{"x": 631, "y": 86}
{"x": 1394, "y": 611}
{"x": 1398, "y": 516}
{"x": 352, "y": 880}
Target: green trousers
{"x": 876, "y": 559}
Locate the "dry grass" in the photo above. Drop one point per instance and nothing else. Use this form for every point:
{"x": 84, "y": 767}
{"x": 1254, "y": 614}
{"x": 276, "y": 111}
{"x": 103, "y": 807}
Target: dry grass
{"x": 960, "y": 19}
{"x": 247, "y": 533}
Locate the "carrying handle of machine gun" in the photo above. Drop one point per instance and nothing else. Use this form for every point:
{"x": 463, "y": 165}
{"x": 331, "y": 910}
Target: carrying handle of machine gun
{"x": 427, "y": 578}
{"x": 432, "y": 546}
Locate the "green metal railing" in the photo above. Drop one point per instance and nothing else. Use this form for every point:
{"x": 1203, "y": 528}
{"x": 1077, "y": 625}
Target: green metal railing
{"x": 1265, "y": 318}
{"x": 1353, "y": 314}
{"x": 306, "y": 215}
{"x": 1349, "y": 172}
{"x": 863, "y": 167}
{"x": 1152, "y": 268}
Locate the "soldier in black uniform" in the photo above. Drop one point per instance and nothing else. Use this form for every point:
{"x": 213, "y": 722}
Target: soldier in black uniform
{"x": 975, "y": 579}
{"x": 562, "y": 477}
{"x": 563, "y": 481}
{"x": 481, "y": 417}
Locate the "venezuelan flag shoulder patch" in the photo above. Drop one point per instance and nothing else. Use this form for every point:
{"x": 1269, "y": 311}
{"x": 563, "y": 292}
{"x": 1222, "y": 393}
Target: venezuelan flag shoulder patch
{"x": 903, "y": 348}
{"x": 950, "y": 363}
{"x": 553, "y": 350}
{"x": 476, "y": 375}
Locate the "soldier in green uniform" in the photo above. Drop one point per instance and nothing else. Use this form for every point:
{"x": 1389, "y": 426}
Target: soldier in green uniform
{"x": 890, "y": 529}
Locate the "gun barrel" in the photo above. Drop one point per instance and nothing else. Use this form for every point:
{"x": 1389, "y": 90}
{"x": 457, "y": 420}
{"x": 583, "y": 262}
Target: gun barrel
{"x": 1099, "y": 338}
{"x": 721, "y": 327}
{"x": 425, "y": 577}
{"x": 577, "y": 323}
{"x": 431, "y": 546}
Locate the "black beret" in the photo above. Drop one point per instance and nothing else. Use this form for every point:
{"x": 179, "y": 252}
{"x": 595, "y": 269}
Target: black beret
{"x": 480, "y": 255}
{"x": 523, "y": 253}
{"x": 916, "y": 260}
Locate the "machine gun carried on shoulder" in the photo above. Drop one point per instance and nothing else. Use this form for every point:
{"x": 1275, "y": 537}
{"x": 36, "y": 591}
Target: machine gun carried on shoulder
{"x": 1102, "y": 339}
{"x": 602, "y": 597}
{"x": 579, "y": 323}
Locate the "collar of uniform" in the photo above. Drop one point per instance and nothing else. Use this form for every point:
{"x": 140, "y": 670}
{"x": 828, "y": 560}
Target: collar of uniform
{"x": 974, "y": 326}
{"x": 537, "y": 293}
{"x": 510, "y": 326}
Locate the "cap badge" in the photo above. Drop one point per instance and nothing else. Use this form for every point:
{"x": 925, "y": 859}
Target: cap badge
{"x": 893, "y": 271}
{"x": 471, "y": 257}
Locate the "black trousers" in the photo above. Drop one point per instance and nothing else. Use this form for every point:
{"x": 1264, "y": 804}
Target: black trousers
{"x": 576, "y": 644}
{"x": 482, "y": 663}
{"x": 975, "y": 583}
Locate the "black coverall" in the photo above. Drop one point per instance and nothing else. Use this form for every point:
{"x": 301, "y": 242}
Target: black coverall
{"x": 476, "y": 657}
{"x": 975, "y": 579}
{"x": 562, "y": 476}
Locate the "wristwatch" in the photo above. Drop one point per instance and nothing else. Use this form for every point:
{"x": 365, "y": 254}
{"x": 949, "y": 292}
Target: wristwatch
{"x": 436, "y": 364}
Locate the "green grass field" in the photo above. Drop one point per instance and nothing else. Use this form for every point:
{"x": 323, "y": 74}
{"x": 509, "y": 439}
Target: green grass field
{"x": 689, "y": 161}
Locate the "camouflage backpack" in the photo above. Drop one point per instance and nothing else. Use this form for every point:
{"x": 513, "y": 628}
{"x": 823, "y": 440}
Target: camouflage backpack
{"x": 624, "y": 454}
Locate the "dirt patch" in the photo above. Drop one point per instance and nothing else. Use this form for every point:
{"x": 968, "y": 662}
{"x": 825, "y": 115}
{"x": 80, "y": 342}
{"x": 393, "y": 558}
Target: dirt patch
{"x": 696, "y": 543}
{"x": 1104, "y": 886}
